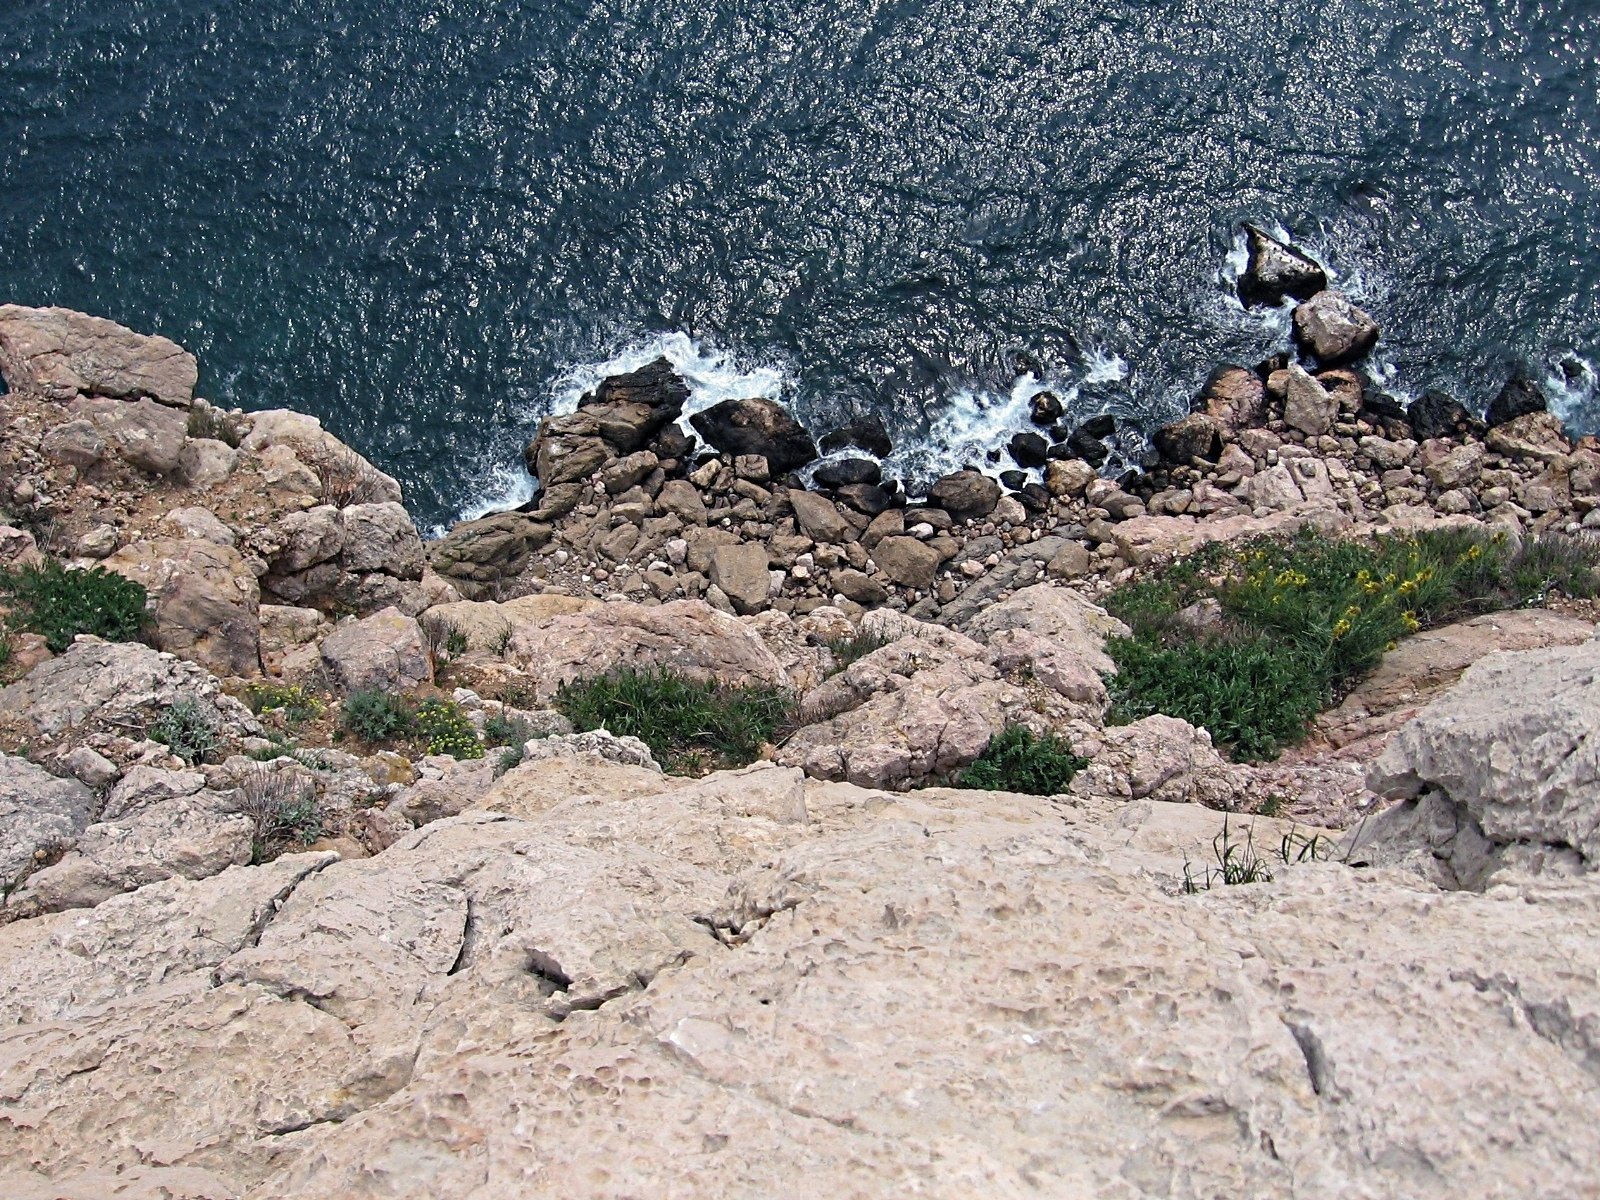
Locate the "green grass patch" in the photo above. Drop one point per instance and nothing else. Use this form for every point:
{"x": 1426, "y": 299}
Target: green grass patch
{"x": 373, "y": 715}
{"x": 858, "y": 645}
{"x": 184, "y": 728}
{"x": 1018, "y": 760}
{"x": 62, "y": 602}
{"x": 689, "y": 725}
{"x": 1303, "y": 619}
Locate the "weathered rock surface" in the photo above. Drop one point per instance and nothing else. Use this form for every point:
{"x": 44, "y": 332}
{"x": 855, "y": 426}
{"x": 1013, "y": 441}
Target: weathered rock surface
{"x": 476, "y": 553}
{"x": 58, "y": 353}
{"x": 965, "y": 495}
{"x": 687, "y": 635}
{"x": 38, "y": 814}
{"x": 204, "y": 602}
{"x": 142, "y": 433}
{"x": 1501, "y": 771}
{"x": 664, "y": 996}
{"x": 385, "y": 650}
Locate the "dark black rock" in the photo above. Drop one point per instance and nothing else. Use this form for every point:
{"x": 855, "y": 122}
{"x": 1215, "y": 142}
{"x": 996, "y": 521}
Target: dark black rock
{"x": 1059, "y": 450}
{"x": 1277, "y": 362}
{"x": 1102, "y": 426}
{"x": 673, "y": 442}
{"x": 865, "y": 498}
{"x": 1045, "y": 408}
{"x": 757, "y": 426}
{"x": 1195, "y": 436}
{"x": 1437, "y": 415}
{"x": 1028, "y": 449}
{"x": 892, "y": 486}
{"x": 1383, "y": 412}
{"x": 1518, "y": 398}
{"x": 633, "y": 408}
{"x": 1013, "y": 480}
{"x": 847, "y": 471}
{"x": 864, "y": 433}
{"x": 1087, "y": 447}
{"x": 993, "y": 456}
{"x": 1276, "y": 270}
{"x": 965, "y": 495}
{"x": 1034, "y": 498}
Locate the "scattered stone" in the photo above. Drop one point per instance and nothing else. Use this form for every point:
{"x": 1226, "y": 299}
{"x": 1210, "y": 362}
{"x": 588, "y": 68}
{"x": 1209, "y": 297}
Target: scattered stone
{"x": 1307, "y": 406}
{"x": 741, "y": 572}
{"x": 906, "y": 561}
{"x": 817, "y": 517}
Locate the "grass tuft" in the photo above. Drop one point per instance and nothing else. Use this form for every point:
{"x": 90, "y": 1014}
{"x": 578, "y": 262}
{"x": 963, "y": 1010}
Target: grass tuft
{"x": 62, "y": 602}
{"x": 184, "y": 728}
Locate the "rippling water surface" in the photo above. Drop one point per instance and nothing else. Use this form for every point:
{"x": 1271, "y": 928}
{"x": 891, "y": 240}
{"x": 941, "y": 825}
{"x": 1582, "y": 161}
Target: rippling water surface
{"x": 427, "y": 221}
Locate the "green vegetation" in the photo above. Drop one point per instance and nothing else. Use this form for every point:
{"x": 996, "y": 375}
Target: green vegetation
{"x": 1295, "y": 623}
{"x": 857, "y": 646}
{"x": 216, "y": 424}
{"x": 284, "y": 807}
{"x": 688, "y": 725}
{"x": 61, "y": 602}
{"x": 186, "y": 730}
{"x": 1017, "y": 760}
{"x": 373, "y": 715}
{"x": 501, "y": 730}
{"x": 447, "y": 729}
{"x": 295, "y": 703}
{"x": 1238, "y": 862}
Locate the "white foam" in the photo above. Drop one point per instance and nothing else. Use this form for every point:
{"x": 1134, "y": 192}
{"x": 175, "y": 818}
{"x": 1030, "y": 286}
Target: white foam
{"x": 975, "y": 421}
{"x": 1570, "y": 397}
{"x": 712, "y": 374}
{"x": 508, "y": 487}
{"x": 1103, "y": 366}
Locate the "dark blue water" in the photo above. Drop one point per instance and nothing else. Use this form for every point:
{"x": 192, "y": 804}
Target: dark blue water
{"x": 419, "y": 219}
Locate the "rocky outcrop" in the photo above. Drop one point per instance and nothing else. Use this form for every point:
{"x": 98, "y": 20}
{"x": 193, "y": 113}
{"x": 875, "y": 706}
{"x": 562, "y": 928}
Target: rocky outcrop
{"x": 1333, "y": 329}
{"x": 40, "y": 816}
{"x": 385, "y": 651}
{"x": 511, "y": 1004}
{"x": 1499, "y": 773}
{"x": 204, "y": 602}
{"x": 57, "y": 354}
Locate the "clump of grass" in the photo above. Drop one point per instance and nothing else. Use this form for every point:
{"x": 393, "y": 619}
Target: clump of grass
{"x": 858, "y": 645}
{"x": 1303, "y": 619}
{"x": 447, "y": 729}
{"x": 374, "y": 715}
{"x": 1018, "y": 760}
{"x": 285, "y": 811}
{"x": 62, "y": 602}
{"x": 346, "y": 478}
{"x": 688, "y": 724}
{"x": 501, "y": 730}
{"x": 292, "y": 700}
{"x": 184, "y": 728}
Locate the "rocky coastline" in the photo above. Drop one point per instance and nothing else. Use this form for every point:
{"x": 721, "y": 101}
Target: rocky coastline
{"x": 828, "y": 972}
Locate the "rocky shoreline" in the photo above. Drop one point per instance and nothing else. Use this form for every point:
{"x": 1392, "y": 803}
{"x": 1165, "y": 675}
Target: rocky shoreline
{"x": 459, "y": 974}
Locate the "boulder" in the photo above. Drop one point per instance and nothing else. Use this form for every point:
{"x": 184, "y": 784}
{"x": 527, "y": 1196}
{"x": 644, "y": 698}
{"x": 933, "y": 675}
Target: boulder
{"x": 907, "y": 561}
{"x": 844, "y": 471}
{"x": 1437, "y": 415}
{"x": 680, "y": 498}
{"x": 1520, "y": 397}
{"x": 476, "y": 553}
{"x": 757, "y": 426}
{"x": 40, "y": 815}
{"x": 567, "y": 449}
{"x": 1539, "y": 436}
{"x": 1276, "y": 270}
{"x": 1045, "y": 409}
{"x": 308, "y": 537}
{"x": 1183, "y": 441}
{"x": 866, "y": 433}
{"x": 1071, "y": 629}
{"x": 56, "y": 353}
{"x": 1307, "y": 406}
{"x": 865, "y": 499}
{"x": 629, "y": 410}
{"x": 381, "y": 537}
{"x": 204, "y": 601}
{"x": 142, "y": 433}
{"x": 1333, "y": 329}
{"x": 1448, "y": 466}
{"x": 1068, "y": 478}
{"x": 966, "y": 495}
{"x": 628, "y": 472}
{"x": 1234, "y": 397}
{"x": 76, "y": 443}
{"x": 818, "y": 519}
{"x": 206, "y": 462}
{"x": 385, "y": 651}
{"x": 286, "y": 445}
{"x": 741, "y": 572}
{"x": 1161, "y": 758}
{"x": 1028, "y": 449}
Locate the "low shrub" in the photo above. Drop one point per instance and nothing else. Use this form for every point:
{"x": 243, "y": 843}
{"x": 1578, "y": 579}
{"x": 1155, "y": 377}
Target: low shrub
{"x": 501, "y": 730}
{"x": 184, "y": 728}
{"x": 1301, "y": 620}
{"x": 447, "y": 730}
{"x": 1018, "y": 760}
{"x": 62, "y": 602}
{"x": 214, "y": 423}
{"x": 284, "y": 807}
{"x": 374, "y": 715}
{"x": 688, "y": 724}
